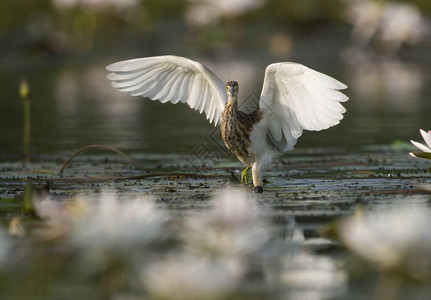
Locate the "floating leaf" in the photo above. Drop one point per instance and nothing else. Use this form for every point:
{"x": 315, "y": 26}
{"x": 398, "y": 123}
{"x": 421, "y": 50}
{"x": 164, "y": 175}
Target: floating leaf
{"x": 420, "y": 154}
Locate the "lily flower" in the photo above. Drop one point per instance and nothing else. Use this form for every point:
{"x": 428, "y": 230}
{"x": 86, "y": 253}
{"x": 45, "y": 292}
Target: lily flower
{"x": 395, "y": 240}
{"x": 233, "y": 227}
{"x": 183, "y": 276}
{"x": 425, "y": 149}
{"x": 104, "y": 227}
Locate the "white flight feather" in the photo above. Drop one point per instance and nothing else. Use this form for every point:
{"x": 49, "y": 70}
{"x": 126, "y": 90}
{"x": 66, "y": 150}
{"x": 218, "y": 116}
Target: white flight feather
{"x": 295, "y": 98}
{"x": 171, "y": 79}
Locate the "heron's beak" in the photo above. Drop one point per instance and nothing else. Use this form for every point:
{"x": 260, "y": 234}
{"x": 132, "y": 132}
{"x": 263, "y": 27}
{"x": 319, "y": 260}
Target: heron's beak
{"x": 231, "y": 91}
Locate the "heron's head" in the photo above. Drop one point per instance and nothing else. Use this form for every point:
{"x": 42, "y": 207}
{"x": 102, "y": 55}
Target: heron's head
{"x": 232, "y": 88}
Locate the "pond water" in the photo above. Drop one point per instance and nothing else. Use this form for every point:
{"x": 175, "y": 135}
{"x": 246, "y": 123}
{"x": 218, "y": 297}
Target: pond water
{"x": 74, "y": 105}
{"x": 363, "y": 161}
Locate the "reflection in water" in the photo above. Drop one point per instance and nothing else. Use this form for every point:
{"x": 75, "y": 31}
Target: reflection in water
{"x": 384, "y": 82}
{"x": 187, "y": 277}
{"x": 84, "y": 109}
{"x": 75, "y": 89}
{"x": 88, "y": 104}
{"x": 310, "y": 276}
{"x": 301, "y": 274}
{"x": 94, "y": 4}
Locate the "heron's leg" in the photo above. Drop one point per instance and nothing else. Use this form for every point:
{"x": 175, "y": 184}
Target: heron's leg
{"x": 257, "y": 178}
{"x": 244, "y": 176}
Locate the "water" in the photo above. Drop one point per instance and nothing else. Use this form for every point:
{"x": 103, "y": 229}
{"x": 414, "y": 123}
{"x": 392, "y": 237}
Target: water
{"x": 323, "y": 179}
{"x": 73, "y": 105}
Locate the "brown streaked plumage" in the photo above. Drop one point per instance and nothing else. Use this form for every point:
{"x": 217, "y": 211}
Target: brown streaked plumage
{"x": 235, "y": 128}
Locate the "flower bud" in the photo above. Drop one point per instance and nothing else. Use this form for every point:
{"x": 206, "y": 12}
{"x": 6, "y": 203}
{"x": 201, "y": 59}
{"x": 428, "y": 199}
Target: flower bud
{"x": 24, "y": 89}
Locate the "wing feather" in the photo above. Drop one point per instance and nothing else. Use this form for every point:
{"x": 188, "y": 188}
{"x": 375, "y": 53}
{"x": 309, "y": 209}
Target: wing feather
{"x": 163, "y": 93}
{"x": 171, "y": 79}
{"x": 173, "y": 83}
{"x": 125, "y": 81}
{"x": 296, "y": 98}
{"x": 203, "y": 104}
{"x": 184, "y": 89}
{"x": 211, "y": 111}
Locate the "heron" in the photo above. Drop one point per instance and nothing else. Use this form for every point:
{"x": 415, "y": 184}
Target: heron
{"x": 294, "y": 98}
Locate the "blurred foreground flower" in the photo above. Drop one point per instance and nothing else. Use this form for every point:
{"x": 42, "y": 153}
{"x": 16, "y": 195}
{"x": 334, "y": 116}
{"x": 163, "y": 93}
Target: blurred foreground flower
{"x": 192, "y": 277}
{"x": 106, "y": 227}
{"x": 425, "y": 149}
{"x": 118, "y": 226}
{"x": 396, "y": 240}
{"x": 233, "y": 226}
{"x": 217, "y": 249}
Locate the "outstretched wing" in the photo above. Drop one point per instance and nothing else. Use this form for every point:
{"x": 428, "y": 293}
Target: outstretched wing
{"x": 295, "y": 98}
{"x": 172, "y": 79}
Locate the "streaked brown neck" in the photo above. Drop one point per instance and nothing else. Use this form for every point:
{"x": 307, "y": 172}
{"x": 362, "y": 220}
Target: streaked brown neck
{"x": 232, "y": 99}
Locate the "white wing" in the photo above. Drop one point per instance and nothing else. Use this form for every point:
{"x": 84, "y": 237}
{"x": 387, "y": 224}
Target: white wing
{"x": 171, "y": 79}
{"x": 295, "y": 98}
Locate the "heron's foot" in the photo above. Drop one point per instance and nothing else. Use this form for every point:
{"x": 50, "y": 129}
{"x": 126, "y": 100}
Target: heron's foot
{"x": 258, "y": 189}
{"x": 244, "y": 176}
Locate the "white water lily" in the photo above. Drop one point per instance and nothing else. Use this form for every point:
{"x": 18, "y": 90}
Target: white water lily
{"x": 394, "y": 239}
{"x": 426, "y": 149}
{"x": 192, "y": 277}
{"x": 217, "y": 247}
{"x": 234, "y": 226}
{"x": 117, "y": 226}
{"x": 103, "y": 227}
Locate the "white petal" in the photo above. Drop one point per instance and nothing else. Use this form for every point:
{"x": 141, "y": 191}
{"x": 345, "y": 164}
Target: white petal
{"x": 413, "y": 155}
{"x": 421, "y": 147}
{"x": 427, "y": 137}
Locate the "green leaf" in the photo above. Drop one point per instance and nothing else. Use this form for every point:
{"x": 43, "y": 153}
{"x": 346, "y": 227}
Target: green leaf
{"x": 421, "y": 154}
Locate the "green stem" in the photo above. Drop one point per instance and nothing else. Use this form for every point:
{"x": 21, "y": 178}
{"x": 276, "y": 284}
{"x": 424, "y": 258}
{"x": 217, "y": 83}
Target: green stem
{"x": 97, "y": 146}
{"x": 26, "y": 142}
